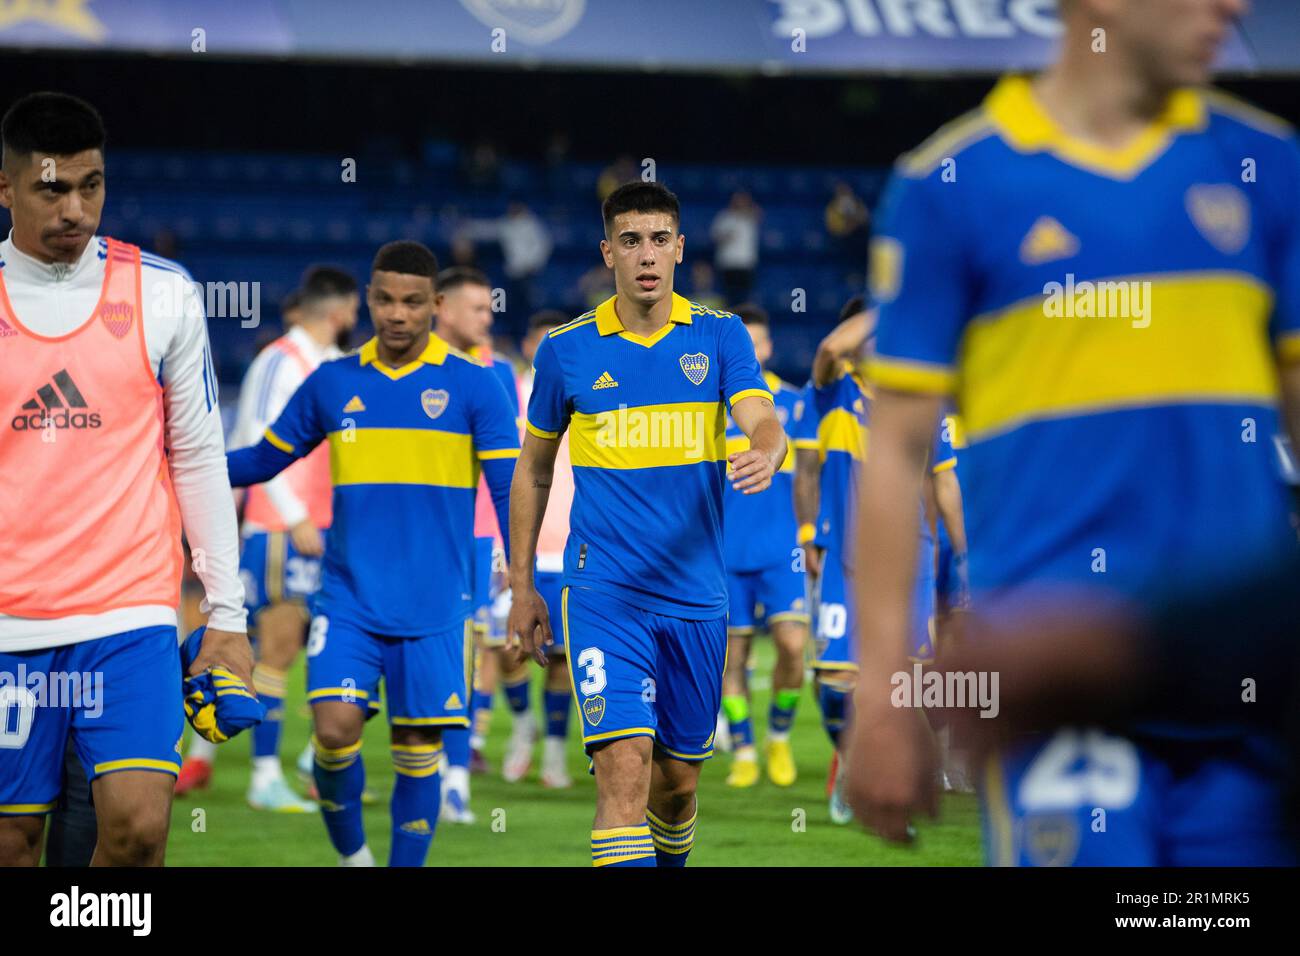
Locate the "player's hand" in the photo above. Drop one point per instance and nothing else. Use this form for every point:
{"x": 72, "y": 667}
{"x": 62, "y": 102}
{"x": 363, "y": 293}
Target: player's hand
{"x": 892, "y": 766}
{"x": 812, "y": 560}
{"x": 307, "y": 539}
{"x": 529, "y": 624}
{"x": 751, "y": 471}
{"x": 225, "y": 649}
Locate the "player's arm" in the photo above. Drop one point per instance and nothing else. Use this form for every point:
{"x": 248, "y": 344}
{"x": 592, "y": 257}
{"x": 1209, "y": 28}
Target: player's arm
{"x": 844, "y": 343}
{"x": 196, "y": 454}
{"x": 294, "y": 434}
{"x": 752, "y": 409}
{"x": 496, "y": 443}
{"x": 529, "y": 624}
{"x": 807, "y": 478}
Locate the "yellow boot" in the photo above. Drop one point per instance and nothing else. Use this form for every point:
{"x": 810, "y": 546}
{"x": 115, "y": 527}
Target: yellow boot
{"x": 780, "y": 763}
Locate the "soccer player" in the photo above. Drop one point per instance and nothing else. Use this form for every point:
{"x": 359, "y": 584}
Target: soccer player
{"x": 549, "y": 576}
{"x": 410, "y": 421}
{"x": 837, "y": 413}
{"x": 1119, "y": 435}
{"x": 463, "y": 319}
{"x": 284, "y": 524}
{"x": 765, "y": 584}
{"x": 641, "y": 384}
{"x": 112, "y": 440}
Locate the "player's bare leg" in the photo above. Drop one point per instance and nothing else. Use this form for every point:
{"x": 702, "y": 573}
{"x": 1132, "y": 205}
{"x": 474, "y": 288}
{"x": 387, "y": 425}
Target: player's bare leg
{"x": 21, "y": 839}
{"x": 132, "y": 810}
{"x": 671, "y": 810}
{"x": 790, "y": 638}
{"x": 736, "y": 708}
{"x": 341, "y": 777}
{"x": 280, "y": 629}
{"x": 619, "y": 832}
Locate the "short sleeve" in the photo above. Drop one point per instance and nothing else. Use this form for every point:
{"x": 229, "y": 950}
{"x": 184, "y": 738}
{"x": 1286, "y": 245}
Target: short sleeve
{"x": 943, "y": 457}
{"x": 918, "y": 275}
{"x": 548, "y": 406}
{"x": 300, "y": 428}
{"x": 1286, "y": 311}
{"x": 740, "y": 376}
{"x": 493, "y": 419}
{"x": 803, "y": 431}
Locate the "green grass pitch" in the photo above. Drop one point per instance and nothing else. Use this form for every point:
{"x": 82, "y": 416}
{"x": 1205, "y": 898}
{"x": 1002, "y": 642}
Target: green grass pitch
{"x": 523, "y": 824}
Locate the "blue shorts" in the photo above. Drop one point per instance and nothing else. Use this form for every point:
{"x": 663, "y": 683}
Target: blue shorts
{"x": 1084, "y": 797}
{"x": 426, "y": 679}
{"x": 637, "y": 673}
{"x": 768, "y": 596}
{"x": 273, "y": 571}
{"x": 549, "y": 587}
{"x": 119, "y": 697}
{"x": 835, "y": 644}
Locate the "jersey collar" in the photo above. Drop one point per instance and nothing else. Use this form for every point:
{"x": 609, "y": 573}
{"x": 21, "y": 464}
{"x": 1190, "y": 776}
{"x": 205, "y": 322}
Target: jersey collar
{"x": 435, "y": 353}
{"x": 608, "y": 322}
{"x": 1027, "y": 128}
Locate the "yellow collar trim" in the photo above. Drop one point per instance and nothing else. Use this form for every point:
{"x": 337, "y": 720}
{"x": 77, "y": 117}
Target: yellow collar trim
{"x": 608, "y": 322}
{"x": 435, "y": 353}
{"x": 1027, "y": 128}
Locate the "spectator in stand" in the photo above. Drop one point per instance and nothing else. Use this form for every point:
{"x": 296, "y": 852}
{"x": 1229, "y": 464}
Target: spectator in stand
{"x": 525, "y": 247}
{"x": 622, "y": 170}
{"x": 735, "y": 245}
{"x": 595, "y": 286}
{"x": 702, "y": 286}
{"x": 846, "y": 213}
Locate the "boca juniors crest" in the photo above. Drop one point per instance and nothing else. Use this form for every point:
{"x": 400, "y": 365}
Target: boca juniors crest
{"x": 1222, "y": 214}
{"x": 593, "y": 708}
{"x": 117, "y": 317}
{"x": 434, "y": 401}
{"x": 696, "y": 366}
{"x": 536, "y": 22}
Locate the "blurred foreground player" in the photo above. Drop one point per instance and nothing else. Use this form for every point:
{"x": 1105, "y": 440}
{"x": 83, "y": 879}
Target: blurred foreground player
{"x": 642, "y": 385}
{"x": 110, "y": 382}
{"x": 1119, "y": 435}
{"x": 284, "y": 524}
{"x": 766, "y": 585}
{"x": 410, "y": 423}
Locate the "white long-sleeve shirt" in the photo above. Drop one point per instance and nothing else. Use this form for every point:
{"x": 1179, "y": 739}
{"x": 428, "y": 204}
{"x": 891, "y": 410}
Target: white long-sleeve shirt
{"x": 269, "y": 383}
{"x": 54, "y": 299}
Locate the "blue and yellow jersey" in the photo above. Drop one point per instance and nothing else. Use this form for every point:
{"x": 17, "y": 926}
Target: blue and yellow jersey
{"x": 760, "y": 530}
{"x": 1109, "y": 323}
{"x": 406, "y": 447}
{"x": 646, "y": 418}
{"x": 833, "y": 421}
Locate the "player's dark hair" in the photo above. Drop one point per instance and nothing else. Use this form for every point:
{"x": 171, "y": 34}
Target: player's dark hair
{"x": 407, "y": 257}
{"x": 548, "y": 319}
{"x": 457, "y": 276}
{"x": 291, "y": 301}
{"x": 325, "y": 282}
{"x": 751, "y": 313}
{"x": 851, "y": 308}
{"x": 53, "y": 123}
{"x": 640, "y": 196}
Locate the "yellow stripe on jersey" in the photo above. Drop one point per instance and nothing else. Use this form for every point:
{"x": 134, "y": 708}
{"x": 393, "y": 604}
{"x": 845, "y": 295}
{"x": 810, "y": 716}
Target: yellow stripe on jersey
{"x": 904, "y": 375}
{"x": 750, "y": 393}
{"x": 649, "y": 436}
{"x": 279, "y": 442}
{"x": 403, "y": 456}
{"x": 542, "y": 433}
{"x": 1206, "y": 342}
{"x": 840, "y": 430}
{"x": 738, "y": 443}
{"x": 499, "y": 453}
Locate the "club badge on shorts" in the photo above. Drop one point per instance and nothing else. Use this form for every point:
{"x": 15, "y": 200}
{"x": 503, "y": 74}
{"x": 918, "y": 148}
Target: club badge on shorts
{"x": 593, "y": 708}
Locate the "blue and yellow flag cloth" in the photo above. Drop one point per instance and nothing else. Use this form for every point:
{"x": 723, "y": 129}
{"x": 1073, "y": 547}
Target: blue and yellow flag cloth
{"x": 218, "y": 704}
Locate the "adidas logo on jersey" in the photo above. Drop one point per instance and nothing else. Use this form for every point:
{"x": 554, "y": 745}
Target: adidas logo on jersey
{"x": 1047, "y": 240}
{"x": 355, "y": 405}
{"x": 56, "y": 405}
{"x": 605, "y": 381}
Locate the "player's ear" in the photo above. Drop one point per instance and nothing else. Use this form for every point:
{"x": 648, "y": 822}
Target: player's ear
{"x": 6, "y": 190}
{"x": 607, "y": 255}
{"x": 681, "y": 247}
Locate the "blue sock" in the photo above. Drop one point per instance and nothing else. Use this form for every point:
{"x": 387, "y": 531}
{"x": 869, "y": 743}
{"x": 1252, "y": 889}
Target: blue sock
{"x": 673, "y": 841}
{"x": 340, "y": 778}
{"x": 480, "y": 712}
{"x": 455, "y": 742}
{"x": 268, "y": 683}
{"x": 736, "y": 709}
{"x": 780, "y": 713}
{"x": 517, "y": 693}
{"x": 417, "y": 794}
{"x": 557, "y": 713}
{"x": 622, "y": 846}
{"x": 835, "y": 705}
